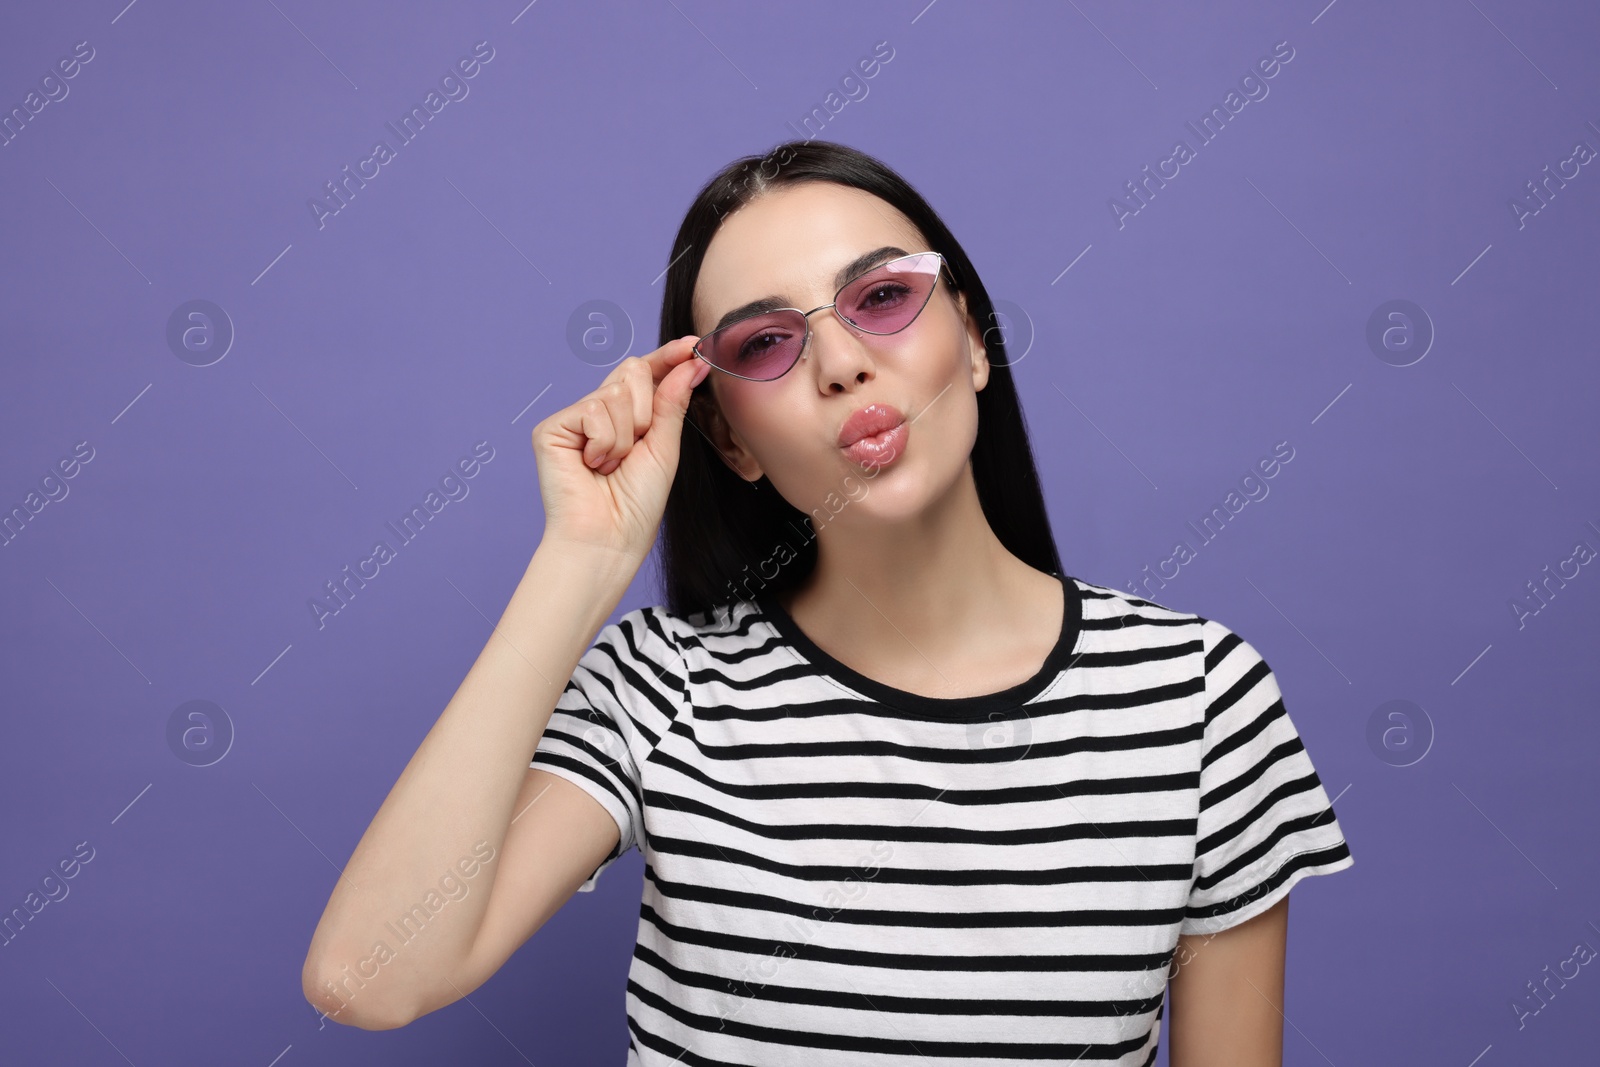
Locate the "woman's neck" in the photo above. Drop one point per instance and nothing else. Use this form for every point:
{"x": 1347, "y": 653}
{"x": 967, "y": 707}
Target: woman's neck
{"x": 937, "y": 603}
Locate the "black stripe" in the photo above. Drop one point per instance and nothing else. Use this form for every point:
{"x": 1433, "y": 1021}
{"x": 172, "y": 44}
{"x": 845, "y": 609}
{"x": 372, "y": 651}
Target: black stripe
{"x": 1237, "y": 691}
{"x": 787, "y": 708}
{"x": 1036, "y": 750}
{"x": 1321, "y": 857}
{"x": 1282, "y": 830}
{"x": 581, "y": 768}
{"x": 1281, "y": 752}
{"x": 883, "y": 1045}
{"x": 1017, "y": 794}
{"x": 1303, "y": 784}
{"x": 1229, "y": 642}
{"x": 836, "y": 998}
{"x": 809, "y": 950}
{"x": 821, "y": 872}
{"x": 1136, "y": 829}
{"x": 933, "y": 920}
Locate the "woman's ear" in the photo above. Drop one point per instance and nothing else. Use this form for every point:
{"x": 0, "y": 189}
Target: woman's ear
{"x": 976, "y": 352}
{"x": 706, "y": 416}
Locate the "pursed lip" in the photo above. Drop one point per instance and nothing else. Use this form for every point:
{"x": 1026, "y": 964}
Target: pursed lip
{"x": 869, "y": 421}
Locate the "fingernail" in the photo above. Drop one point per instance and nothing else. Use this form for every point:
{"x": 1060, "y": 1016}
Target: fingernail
{"x": 700, "y": 373}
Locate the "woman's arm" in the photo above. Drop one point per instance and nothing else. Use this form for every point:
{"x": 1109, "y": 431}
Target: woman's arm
{"x": 1225, "y": 999}
{"x": 415, "y": 921}
{"x": 460, "y": 790}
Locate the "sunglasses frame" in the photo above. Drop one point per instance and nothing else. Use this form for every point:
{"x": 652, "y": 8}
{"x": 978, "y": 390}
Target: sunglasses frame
{"x": 805, "y": 341}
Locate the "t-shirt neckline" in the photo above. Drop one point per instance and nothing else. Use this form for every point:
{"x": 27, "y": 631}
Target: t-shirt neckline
{"x": 967, "y": 708}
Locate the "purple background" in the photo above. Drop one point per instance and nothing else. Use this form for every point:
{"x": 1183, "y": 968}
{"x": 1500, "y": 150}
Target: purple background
{"x": 432, "y": 312}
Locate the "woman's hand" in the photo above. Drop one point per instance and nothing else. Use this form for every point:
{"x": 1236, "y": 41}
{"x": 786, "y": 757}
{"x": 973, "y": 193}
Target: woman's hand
{"x": 606, "y": 462}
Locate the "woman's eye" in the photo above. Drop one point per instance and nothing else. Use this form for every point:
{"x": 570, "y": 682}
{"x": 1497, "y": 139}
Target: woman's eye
{"x": 757, "y": 345}
{"x": 888, "y": 291}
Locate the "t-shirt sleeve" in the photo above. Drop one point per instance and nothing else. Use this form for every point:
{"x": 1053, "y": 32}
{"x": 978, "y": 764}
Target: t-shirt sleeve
{"x": 621, "y": 699}
{"x": 1265, "y": 820}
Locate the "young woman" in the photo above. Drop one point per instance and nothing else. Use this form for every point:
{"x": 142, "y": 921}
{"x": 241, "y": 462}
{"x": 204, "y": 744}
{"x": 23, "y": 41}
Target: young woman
{"x": 906, "y": 791}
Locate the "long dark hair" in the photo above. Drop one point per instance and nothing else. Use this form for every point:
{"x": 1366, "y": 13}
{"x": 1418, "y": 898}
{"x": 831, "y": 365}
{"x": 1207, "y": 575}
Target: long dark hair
{"x": 721, "y": 539}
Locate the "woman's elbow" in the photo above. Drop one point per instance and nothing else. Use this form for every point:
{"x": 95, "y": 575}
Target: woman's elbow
{"x": 343, "y": 999}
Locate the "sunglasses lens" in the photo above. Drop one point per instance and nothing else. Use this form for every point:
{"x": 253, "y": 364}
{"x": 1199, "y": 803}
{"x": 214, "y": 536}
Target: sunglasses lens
{"x": 762, "y": 347}
{"x": 887, "y": 298}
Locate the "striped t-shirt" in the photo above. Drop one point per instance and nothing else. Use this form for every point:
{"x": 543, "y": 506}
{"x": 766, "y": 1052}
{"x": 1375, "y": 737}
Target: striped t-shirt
{"x": 839, "y": 872}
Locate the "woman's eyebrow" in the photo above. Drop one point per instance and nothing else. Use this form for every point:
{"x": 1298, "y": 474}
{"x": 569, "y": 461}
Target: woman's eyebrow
{"x": 866, "y": 262}
{"x": 862, "y": 263}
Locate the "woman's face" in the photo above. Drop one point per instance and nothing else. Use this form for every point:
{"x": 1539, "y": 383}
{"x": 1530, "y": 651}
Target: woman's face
{"x": 790, "y": 243}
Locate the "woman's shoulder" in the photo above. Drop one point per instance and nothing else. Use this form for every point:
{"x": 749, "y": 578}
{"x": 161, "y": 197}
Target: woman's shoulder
{"x": 721, "y": 623}
{"x": 1224, "y": 653}
{"x": 1145, "y": 621}
{"x": 1119, "y": 606}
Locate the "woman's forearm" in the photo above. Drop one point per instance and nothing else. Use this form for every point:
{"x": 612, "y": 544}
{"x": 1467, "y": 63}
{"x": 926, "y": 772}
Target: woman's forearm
{"x": 457, "y": 791}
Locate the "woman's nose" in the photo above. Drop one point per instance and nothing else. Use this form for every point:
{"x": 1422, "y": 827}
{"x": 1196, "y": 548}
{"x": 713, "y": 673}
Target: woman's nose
{"x": 839, "y": 353}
